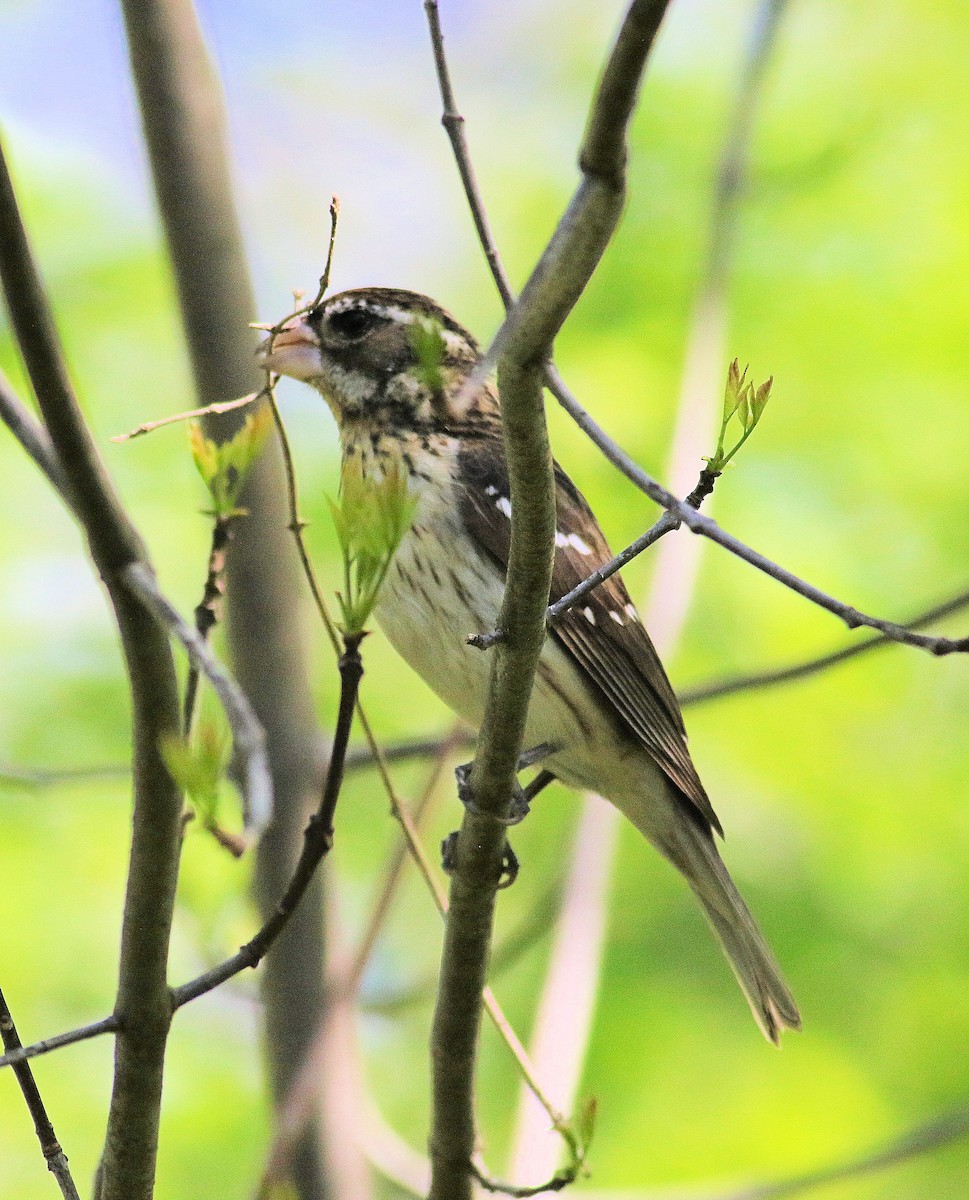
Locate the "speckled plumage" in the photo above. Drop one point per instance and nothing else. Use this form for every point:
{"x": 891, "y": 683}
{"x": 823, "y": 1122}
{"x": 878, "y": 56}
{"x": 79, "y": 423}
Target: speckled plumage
{"x": 601, "y": 696}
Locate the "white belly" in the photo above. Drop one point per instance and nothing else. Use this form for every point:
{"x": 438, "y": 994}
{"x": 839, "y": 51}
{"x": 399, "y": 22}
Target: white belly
{"x": 434, "y": 596}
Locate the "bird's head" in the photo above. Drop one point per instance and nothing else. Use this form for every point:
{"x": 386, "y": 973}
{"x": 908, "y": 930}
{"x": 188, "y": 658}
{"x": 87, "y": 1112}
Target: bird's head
{"x": 384, "y": 359}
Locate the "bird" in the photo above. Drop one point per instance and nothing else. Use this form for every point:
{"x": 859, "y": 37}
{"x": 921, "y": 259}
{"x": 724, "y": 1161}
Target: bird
{"x": 602, "y": 705}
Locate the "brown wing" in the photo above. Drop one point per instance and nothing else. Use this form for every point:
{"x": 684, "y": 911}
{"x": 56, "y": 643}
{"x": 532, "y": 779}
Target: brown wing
{"x": 603, "y": 633}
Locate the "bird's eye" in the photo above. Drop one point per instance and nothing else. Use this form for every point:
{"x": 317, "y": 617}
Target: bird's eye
{"x": 353, "y": 323}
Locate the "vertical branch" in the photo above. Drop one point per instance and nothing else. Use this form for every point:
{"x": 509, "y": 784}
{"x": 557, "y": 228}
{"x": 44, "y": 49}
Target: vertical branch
{"x": 49, "y": 1145}
{"x": 183, "y": 120}
{"x": 142, "y": 1010}
{"x": 521, "y": 348}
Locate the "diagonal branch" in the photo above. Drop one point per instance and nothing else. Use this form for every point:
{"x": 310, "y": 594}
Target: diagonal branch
{"x": 520, "y": 349}
{"x": 31, "y": 435}
{"x": 729, "y": 181}
{"x": 49, "y": 1145}
{"x": 757, "y": 680}
{"x": 317, "y": 841}
{"x": 82, "y": 1034}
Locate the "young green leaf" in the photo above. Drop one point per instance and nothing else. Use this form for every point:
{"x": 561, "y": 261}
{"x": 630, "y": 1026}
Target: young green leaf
{"x": 371, "y": 519}
{"x": 224, "y": 466}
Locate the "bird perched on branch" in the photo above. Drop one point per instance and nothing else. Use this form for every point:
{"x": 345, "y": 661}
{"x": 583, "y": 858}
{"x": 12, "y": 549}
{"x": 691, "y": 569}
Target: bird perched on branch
{"x": 391, "y": 365}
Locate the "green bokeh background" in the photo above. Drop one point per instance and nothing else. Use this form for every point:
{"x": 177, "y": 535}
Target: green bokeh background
{"x": 844, "y": 797}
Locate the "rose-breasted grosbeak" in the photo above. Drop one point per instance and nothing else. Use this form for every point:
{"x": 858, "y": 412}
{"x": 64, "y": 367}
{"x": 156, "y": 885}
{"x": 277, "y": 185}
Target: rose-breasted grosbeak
{"x": 601, "y": 700}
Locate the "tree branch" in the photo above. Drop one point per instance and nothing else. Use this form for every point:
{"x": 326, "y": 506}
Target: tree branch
{"x": 184, "y": 122}
{"x": 729, "y": 182}
{"x": 520, "y": 350}
{"x": 142, "y": 1007}
{"x": 453, "y": 124}
{"x": 32, "y": 436}
{"x": 756, "y": 680}
{"x": 317, "y": 841}
{"x": 49, "y": 1145}
{"x": 82, "y": 1034}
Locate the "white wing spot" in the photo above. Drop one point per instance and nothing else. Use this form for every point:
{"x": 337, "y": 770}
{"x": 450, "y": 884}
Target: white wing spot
{"x": 491, "y": 490}
{"x": 561, "y": 539}
{"x": 589, "y": 615}
{"x": 503, "y": 504}
{"x": 631, "y": 612}
{"x": 617, "y": 617}
{"x": 579, "y": 544}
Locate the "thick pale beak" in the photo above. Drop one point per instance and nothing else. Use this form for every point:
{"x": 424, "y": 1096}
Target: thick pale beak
{"x": 295, "y": 352}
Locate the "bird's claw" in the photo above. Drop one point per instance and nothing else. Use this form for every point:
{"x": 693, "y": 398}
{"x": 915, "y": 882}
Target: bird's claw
{"x": 509, "y": 860}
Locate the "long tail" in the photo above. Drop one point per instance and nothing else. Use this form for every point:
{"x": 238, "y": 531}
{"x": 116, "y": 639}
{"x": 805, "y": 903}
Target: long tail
{"x": 691, "y": 849}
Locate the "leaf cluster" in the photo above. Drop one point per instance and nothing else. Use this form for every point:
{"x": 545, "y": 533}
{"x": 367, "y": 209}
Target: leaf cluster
{"x": 198, "y": 767}
{"x": 224, "y": 465}
{"x": 745, "y": 402}
{"x": 371, "y": 518}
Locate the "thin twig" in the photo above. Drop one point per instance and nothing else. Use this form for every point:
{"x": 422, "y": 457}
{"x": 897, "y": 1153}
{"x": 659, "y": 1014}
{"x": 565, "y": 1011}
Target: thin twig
{"x": 417, "y": 748}
{"x": 39, "y": 780}
{"x": 49, "y": 1145}
{"x": 360, "y": 758}
{"x": 666, "y": 524}
{"x": 756, "y": 680}
{"x": 82, "y": 1034}
{"x": 248, "y": 738}
{"x": 223, "y": 406}
{"x": 705, "y": 527}
{"x": 31, "y": 435}
{"x": 555, "y": 1184}
{"x": 318, "y": 839}
{"x": 209, "y": 608}
{"x": 453, "y": 123}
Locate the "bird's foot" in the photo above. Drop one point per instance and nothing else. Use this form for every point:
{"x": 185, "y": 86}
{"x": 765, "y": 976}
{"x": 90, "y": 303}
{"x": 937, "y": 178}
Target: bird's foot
{"x": 509, "y": 860}
{"x": 521, "y": 797}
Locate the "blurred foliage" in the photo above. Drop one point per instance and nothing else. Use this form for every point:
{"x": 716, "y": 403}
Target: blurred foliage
{"x": 843, "y": 796}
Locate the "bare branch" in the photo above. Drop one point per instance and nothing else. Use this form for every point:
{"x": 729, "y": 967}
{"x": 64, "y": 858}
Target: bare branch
{"x": 453, "y": 123}
{"x": 318, "y": 838}
{"x": 666, "y": 524}
{"x": 31, "y": 435}
{"x": 38, "y": 780}
{"x": 363, "y": 757}
{"x": 49, "y": 1145}
{"x": 82, "y": 1034}
{"x": 210, "y": 410}
{"x": 249, "y": 740}
{"x": 756, "y": 680}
